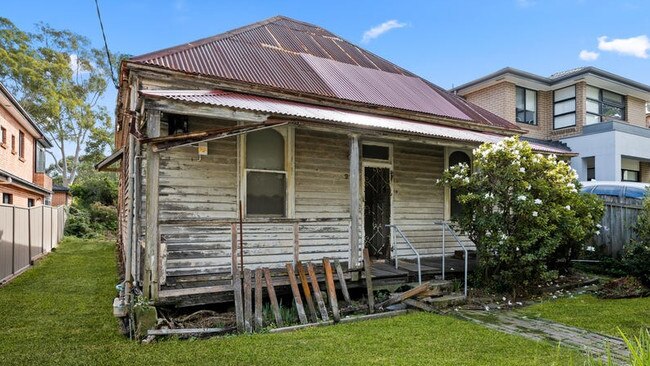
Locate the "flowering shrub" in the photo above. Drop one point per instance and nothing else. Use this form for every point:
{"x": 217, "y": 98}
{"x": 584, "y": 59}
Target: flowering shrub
{"x": 524, "y": 211}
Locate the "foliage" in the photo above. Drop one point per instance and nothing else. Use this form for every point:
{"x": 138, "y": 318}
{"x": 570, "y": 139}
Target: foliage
{"x": 599, "y": 315}
{"x": 65, "y": 319}
{"x": 636, "y": 256}
{"x": 93, "y": 212}
{"x": 58, "y": 78}
{"x": 524, "y": 211}
{"x": 624, "y": 287}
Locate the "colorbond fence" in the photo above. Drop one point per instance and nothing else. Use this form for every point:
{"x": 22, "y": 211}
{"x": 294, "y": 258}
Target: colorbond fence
{"x": 617, "y": 225}
{"x": 27, "y": 234}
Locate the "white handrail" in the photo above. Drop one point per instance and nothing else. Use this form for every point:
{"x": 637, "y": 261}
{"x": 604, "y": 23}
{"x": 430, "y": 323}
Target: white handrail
{"x": 396, "y": 255}
{"x": 445, "y": 227}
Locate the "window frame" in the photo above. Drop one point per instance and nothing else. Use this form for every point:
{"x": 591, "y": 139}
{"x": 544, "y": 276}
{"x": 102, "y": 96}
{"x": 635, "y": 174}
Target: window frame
{"x": 13, "y": 144}
{"x": 21, "y": 145}
{"x": 288, "y": 133}
{"x": 11, "y": 198}
{"x": 638, "y": 175}
{"x": 525, "y": 91}
{"x": 3, "y": 137}
{"x": 39, "y": 154}
{"x": 575, "y": 107}
{"x": 602, "y": 102}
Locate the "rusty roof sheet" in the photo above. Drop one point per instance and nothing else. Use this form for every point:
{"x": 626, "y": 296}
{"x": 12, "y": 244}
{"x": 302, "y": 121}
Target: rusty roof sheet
{"x": 295, "y": 56}
{"x": 327, "y": 114}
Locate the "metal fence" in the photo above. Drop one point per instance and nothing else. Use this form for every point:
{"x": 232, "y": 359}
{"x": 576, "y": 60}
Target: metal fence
{"x": 621, "y": 215}
{"x": 27, "y": 234}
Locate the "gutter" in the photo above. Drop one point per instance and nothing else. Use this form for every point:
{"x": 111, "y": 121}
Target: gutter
{"x": 12, "y": 179}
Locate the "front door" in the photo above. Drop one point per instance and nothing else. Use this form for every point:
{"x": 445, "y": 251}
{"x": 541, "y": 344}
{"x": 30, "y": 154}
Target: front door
{"x": 377, "y": 212}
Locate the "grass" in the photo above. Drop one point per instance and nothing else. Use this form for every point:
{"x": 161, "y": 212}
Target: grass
{"x": 590, "y": 312}
{"x": 60, "y": 312}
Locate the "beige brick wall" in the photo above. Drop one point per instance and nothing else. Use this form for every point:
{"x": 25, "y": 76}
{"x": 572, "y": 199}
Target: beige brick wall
{"x": 9, "y": 160}
{"x": 636, "y": 111}
{"x": 20, "y": 195}
{"x": 498, "y": 99}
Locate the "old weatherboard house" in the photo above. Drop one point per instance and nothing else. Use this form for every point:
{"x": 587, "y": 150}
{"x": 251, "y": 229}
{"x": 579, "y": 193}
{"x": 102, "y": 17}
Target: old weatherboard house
{"x": 316, "y": 144}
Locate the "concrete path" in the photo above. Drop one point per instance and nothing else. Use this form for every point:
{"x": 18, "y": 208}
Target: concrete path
{"x": 594, "y": 344}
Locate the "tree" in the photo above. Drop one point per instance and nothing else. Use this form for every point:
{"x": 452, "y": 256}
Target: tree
{"x": 58, "y": 78}
{"x": 523, "y": 211}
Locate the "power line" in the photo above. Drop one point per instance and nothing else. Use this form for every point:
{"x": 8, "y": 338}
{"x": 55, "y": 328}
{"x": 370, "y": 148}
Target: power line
{"x": 108, "y": 53}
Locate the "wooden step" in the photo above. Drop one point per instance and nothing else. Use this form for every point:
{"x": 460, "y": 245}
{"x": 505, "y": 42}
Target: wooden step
{"x": 445, "y": 301}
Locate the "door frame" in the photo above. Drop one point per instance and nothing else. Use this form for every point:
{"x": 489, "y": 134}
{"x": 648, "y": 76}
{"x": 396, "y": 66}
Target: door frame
{"x": 447, "y": 200}
{"x": 374, "y": 163}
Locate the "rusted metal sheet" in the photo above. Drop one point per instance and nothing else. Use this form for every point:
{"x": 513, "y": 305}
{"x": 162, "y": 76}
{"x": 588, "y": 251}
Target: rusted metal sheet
{"x": 327, "y": 114}
{"x": 295, "y": 56}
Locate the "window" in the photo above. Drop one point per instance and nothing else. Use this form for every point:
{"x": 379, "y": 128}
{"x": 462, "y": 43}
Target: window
{"x": 40, "y": 158}
{"x": 266, "y": 176}
{"x": 630, "y": 175}
{"x": 455, "y": 158}
{"x": 7, "y": 198}
{"x": 3, "y": 132}
{"x": 526, "y": 106}
{"x": 21, "y": 144}
{"x": 564, "y": 107}
{"x": 13, "y": 144}
{"x": 30, "y": 202}
{"x": 603, "y": 106}
{"x": 376, "y": 152}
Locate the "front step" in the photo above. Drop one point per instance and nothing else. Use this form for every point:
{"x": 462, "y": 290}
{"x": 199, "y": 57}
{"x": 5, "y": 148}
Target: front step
{"x": 445, "y": 301}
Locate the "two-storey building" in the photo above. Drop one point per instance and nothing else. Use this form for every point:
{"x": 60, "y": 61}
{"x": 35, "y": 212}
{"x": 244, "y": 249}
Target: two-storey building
{"x": 23, "y": 181}
{"x": 599, "y": 115}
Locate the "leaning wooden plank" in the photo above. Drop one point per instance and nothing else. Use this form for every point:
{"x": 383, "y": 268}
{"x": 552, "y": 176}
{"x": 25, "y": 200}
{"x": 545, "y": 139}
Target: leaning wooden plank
{"x": 317, "y": 294}
{"x": 296, "y": 294}
{"x": 239, "y": 306}
{"x": 344, "y": 286}
{"x": 189, "y": 331}
{"x": 367, "y": 268}
{"x": 274, "y": 300}
{"x": 387, "y": 314}
{"x": 419, "y": 305}
{"x": 405, "y": 295}
{"x": 331, "y": 290}
{"x": 248, "y": 301}
{"x": 259, "y": 315}
{"x": 305, "y": 288}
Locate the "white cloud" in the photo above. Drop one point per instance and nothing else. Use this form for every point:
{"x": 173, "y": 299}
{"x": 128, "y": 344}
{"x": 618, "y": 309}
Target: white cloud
{"x": 633, "y": 46}
{"x": 382, "y": 28}
{"x": 75, "y": 66}
{"x": 588, "y": 55}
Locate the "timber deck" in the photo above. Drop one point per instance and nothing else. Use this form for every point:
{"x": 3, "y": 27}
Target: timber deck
{"x": 217, "y": 288}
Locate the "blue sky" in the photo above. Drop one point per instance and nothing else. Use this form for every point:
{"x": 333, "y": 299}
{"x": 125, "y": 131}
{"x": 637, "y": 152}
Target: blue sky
{"x": 446, "y": 42}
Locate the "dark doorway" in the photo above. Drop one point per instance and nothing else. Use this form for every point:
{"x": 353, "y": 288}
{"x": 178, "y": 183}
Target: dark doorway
{"x": 377, "y": 212}
{"x": 457, "y": 157}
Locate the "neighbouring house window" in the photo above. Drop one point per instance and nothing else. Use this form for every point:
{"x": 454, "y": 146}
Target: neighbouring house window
{"x": 3, "y": 132}
{"x": 590, "y": 164}
{"x": 630, "y": 175}
{"x": 526, "y": 106}
{"x": 564, "y": 107}
{"x": 40, "y": 158}
{"x": 455, "y": 158}
{"x": 603, "y": 106}
{"x": 30, "y": 202}
{"x": 266, "y": 175}
{"x": 13, "y": 144}
{"x": 7, "y": 198}
{"x": 21, "y": 144}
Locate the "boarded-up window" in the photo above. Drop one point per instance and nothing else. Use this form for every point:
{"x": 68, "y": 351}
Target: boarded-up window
{"x": 266, "y": 176}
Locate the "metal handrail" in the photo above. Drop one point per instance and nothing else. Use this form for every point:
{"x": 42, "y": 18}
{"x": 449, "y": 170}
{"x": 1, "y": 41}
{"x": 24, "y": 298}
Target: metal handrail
{"x": 395, "y": 253}
{"x": 445, "y": 226}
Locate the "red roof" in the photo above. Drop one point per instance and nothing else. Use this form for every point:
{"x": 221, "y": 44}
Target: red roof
{"x": 287, "y": 54}
{"x": 327, "y": 114}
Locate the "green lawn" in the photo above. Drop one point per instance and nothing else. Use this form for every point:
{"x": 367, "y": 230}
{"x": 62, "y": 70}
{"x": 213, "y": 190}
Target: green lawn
{"x": 60, "y": 313}
{"x": 589, "y": 312}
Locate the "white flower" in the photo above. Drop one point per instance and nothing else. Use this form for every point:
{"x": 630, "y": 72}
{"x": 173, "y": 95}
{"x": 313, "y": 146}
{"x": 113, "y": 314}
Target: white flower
{"x": 534, "y": 213}
{"x": 488, "y": 233}
{"x": 522, "y": 169}
{"x": 590, "y": 249}
{"x": 528, "y": 186}
{"x": 597, "y": 232}
{"x": 517, "y": 249}
{"x": 504, "y": 298}
{"x": 567, "y": 207}
{"x": 489, "y": 195}
{"x": 521, "y": 198}
{"x": 599, "y": 226}
{"x": 466, "y": 180}
{"x": 437, "y": 181}
{"x": 571, "y": 185}
{"x": 538, "y": 201}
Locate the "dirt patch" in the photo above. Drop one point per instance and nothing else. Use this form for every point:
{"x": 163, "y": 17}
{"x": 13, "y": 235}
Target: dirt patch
{"x": 621, "y": 288}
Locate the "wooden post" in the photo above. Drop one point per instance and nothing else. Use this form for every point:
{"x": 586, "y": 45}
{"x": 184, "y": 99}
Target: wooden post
{"x": 296, "y": 243}
{"x": 354, "y": 201}
{"x": 152, "y": 236}
{"x": 296, "y": 294}
{"x": 331, "y": 290}
{"x": 305, "y": 288}
{"x": 233, "y": 249}
{"x": 274, "y": 300}
{"x": 239, "y": 311}
{"x": 317, "y": 294}
{"x": 341, "y": 276}
{"x": 248, "y": 301}
{"x": 259, "y": 316}
{"x": 368, "y": 271}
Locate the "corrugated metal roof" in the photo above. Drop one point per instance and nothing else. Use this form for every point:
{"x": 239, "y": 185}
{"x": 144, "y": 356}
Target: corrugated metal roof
{"x": 287, "y": 54}
{"x": 327, "y": 114}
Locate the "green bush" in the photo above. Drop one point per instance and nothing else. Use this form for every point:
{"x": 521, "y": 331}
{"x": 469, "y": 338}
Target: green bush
{"x": 78, "y": 224}
{"x": 93, "y": 212}
{"x": 103, "y": 216}
{"x": 525, "y": 213}
{"x": 636, "y": 255}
